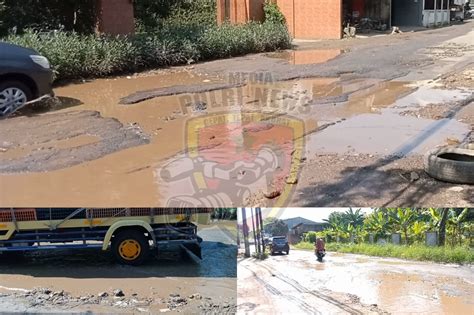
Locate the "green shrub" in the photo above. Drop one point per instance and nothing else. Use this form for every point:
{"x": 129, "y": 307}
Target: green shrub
{"x": 304, "y": 246}
{"x": 261, "y": 256}
{"x": 310, "y": 237}
{"x": 74, "y": 55}
{"x": 460, "y": 254}
{"x": 273, "y": 13}
{"x": 153, "y": 15}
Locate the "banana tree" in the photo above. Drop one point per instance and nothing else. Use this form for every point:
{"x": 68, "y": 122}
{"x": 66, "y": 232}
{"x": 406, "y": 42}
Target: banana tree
{"x": 435, "y": 216}
{"x": 402, "y": 218}
{"x": 438, "y": 220}
{"x": 456, "y": 226}
{"x": 355, "y": 218}
{"x": 336, "y": 226}
{"x": 418, "y": 230}
{"x": 377, "y": 222}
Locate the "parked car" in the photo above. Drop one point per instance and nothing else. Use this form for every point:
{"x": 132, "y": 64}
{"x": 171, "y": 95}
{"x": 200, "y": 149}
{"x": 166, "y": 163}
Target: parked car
{"x": 25, "y": 77}
{"x": 279, "y": 244}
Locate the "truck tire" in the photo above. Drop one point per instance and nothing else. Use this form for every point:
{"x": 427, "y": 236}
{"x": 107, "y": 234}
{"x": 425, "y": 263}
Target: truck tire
{"x": 450, "y": 164}
{"x": 16, "y": 89}
{"x": 130, "y": 247}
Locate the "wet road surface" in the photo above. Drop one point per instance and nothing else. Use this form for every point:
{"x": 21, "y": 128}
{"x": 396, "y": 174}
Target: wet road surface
{"x": 352, "y": 284}
{"x": 225, "y": 147}
{"x": 87, "y": 273}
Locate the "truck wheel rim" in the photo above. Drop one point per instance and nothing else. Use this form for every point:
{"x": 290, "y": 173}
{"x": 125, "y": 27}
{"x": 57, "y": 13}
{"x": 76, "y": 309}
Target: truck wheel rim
{"x": 11, "y": 98}
{"x": 130, "y": 249}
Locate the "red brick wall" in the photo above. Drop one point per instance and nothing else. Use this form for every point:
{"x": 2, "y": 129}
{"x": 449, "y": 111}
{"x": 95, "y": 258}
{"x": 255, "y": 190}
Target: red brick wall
{"x": 115, "y": 17}
{"x": 306, "y": 19}
{"x": 241, "y": 11}
{"x": 310, "y": 19}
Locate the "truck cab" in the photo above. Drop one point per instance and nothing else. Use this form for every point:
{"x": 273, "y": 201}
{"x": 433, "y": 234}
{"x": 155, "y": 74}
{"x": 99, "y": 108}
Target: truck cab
{"x": 131, "y": 234}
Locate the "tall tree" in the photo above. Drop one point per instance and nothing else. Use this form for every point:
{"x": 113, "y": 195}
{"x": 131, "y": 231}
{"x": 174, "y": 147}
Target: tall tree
{"x": 354, "y": 218}
{"x": 275, "y": 227}
{"x": 442, "y": 226}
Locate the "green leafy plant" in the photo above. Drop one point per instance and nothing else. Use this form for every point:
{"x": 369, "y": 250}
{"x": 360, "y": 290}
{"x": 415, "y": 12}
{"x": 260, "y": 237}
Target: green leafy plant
{"x": 273, "y": 13}
{"x": 275, "y": 227}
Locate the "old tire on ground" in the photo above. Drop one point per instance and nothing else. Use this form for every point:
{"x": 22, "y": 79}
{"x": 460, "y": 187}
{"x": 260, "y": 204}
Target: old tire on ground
{"x": 468, "y": 146}
{"x": 130, "y": 247}
{"x": 13, "y": 95}
{"x": 450, "y": 164}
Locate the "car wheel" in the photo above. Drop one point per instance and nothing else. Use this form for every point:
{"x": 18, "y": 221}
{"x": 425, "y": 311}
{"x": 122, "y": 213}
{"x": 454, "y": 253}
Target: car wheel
{"x": 288, "y": 252}
{"x": 130, "y": 247}
{"x": 13, "y": 96}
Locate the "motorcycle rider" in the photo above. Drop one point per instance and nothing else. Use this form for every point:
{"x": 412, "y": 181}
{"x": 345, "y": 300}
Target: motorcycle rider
{"x": 320, "y": 251}
{"x": 320, "y": 245}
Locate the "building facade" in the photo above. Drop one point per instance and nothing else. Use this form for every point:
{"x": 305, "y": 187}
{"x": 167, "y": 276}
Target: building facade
{"x": 325, "y": 19}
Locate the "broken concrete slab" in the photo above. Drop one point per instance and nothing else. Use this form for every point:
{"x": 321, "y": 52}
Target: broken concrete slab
{"x": 61, "y": 140}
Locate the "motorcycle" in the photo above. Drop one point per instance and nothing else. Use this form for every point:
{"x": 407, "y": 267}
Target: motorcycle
{"x": 320, "y": 255}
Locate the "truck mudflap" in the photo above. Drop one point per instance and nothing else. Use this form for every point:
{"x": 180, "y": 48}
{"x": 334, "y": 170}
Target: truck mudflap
{"x": 193, "y": 249}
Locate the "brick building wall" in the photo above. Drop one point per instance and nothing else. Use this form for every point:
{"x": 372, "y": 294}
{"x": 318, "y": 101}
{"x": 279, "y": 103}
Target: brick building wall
{"x": 309, "y": 19}
{"x": 115, "y": 17}
{"x": 240, "y": 11}
{"x": 306, "y": 19}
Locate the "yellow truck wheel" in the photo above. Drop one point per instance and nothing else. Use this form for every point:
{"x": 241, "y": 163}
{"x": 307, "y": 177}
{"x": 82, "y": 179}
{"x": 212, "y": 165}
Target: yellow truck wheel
{"x": 130, "y": 247}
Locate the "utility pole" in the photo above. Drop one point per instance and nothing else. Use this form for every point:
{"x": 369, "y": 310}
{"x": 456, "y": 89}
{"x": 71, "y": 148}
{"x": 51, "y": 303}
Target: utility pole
{"x": 261, "y": 228}
{"x": 254, "y": 231}
{"x": 238, "y": 235}
{"x": 245, "y": 231}
{"x": 442, "y": 226}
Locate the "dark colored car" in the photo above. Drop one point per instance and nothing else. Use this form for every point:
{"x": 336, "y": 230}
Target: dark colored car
{"x": 25, "y": 77}
{"x": 279, "y": 244}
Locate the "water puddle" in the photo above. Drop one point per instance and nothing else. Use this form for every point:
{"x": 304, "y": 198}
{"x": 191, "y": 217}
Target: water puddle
{"x": 386, "y": 134}
{"x": 216, "y": 148}
{"x": 395, "y": 288}
{"x": 304, "y": 57}
{"x": 425, "y": 95}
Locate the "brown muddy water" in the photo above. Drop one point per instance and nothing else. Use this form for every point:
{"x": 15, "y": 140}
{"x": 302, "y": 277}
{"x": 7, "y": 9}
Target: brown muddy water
{"x": 355, "y": 284}
{"x": 212, "y": 148}
{"x": 89, "y": 272}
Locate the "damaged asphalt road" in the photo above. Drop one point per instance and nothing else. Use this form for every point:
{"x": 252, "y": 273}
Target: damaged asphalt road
{"x": 362, "y": 139}
{"x": 89, "y": 281}
{"x": 351, "y": 284}
{"x": 61, "y": 140}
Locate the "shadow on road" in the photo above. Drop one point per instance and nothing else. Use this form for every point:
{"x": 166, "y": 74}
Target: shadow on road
{"x": 371, "y": 182}
{"x": 219, "y": 260}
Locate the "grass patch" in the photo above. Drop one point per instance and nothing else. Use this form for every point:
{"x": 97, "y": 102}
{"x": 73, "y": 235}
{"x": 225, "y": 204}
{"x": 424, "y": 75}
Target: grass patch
{"x": 303, "y": 246}
{"x": 260, "y": 256}
{"x": 447, "y": 254}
